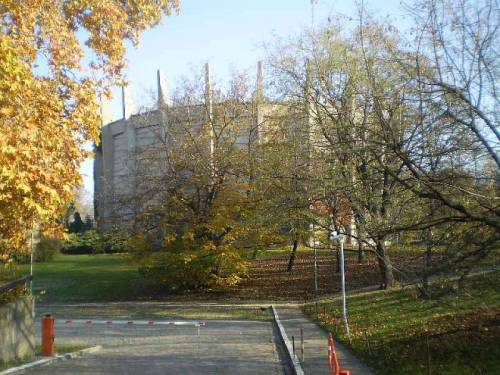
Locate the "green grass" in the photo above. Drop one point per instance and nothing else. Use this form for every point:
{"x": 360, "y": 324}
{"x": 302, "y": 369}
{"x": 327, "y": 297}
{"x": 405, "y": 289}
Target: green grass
{"x": 396, "y": 332}
{"x": 108, "y": 277}
{"x": 84, "y": 278}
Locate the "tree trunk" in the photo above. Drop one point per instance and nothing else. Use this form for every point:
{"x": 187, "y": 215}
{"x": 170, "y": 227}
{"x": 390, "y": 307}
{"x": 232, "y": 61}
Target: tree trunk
{"x": 385, "y": 266}
{"x": 293, "y": 255}
{"x": 427, "y": 265}
{"x": 461, "y": 280}
{"x": 359, "y": 233}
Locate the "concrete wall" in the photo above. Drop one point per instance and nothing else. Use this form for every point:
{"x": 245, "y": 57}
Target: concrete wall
{"x": 124, "y": 143}
{"x": 134, "y": 152}
{"x": 17, "y": 332}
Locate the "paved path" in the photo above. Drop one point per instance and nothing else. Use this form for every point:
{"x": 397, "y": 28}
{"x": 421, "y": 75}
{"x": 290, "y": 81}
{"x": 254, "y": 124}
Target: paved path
{"x": 316, "y": 345}
{"x": 223, "y": 347}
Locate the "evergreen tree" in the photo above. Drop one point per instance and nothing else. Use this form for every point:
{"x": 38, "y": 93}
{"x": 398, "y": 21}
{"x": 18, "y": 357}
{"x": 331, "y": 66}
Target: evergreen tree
{"x": 77, "y": 225}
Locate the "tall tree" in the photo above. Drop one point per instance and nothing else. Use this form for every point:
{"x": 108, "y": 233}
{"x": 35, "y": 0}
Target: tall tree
{"x": 452, "y": 144}
{"x": 284, "y": 177}
{"x": 345, "y": 134}
{"x": 77, "y": 225}
{"x": 48, "y": 98}
{"x": 195, "y": 189}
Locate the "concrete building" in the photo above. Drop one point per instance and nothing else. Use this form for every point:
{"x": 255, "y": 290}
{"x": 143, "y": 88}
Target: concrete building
{"x": 132, "y": 158}
{"x": 133, "y": 149}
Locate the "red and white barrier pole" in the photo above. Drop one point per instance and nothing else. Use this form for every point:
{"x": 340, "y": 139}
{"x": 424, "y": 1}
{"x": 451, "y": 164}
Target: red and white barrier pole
{"x": 131, "y": 322}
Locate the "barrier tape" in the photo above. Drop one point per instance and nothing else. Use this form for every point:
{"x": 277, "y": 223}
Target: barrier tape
{"x": 131, "y": 322}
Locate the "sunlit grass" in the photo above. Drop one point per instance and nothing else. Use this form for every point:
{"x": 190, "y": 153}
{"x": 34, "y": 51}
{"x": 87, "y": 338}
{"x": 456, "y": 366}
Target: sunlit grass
{"x": 397, "y": 331}
{"x": 81, "y": 278}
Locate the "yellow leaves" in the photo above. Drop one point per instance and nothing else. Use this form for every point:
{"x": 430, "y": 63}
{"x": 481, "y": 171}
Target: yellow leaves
{"x": 6, "y": 111}
{"x": 188, "y": 236}
{"x": 46, "y": 115}
{"x": 169, "y": 238}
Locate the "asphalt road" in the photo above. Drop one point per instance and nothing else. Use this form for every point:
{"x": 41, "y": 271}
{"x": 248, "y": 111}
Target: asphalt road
{"x": 223, "y": 347}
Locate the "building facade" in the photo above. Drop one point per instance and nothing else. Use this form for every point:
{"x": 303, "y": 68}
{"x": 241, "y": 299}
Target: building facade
{"x": 133, "y": 149}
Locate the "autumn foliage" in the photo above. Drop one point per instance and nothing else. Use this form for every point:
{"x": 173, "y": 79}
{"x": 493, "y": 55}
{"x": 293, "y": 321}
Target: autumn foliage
{"x": 49, "y": 87}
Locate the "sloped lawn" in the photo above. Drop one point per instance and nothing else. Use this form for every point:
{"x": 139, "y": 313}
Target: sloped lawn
{"x": 396, "y": 332}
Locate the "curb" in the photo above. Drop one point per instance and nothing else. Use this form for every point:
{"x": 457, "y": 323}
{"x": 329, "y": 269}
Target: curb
{"x": 294, "y": 360}
{"x": 46, "y": 361}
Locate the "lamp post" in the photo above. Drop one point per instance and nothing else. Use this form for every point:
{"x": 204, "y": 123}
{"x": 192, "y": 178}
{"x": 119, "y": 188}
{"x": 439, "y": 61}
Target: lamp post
{"x": 315, "y": 263}
{"x": 31, "y": 259}
{"x": 337, "y": 237}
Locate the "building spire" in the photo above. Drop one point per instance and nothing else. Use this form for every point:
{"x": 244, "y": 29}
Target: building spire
{"x": 209, "y": 109}
{"x": 162, "y": 90}
{"x": 104, "y": 110}
{"x": 208, "y": 90}
{"x": 127, "y": 102}
{"x": 259, "y": 85}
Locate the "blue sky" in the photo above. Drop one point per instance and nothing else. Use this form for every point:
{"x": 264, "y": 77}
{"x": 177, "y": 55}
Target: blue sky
{"x": 226, "y": 33}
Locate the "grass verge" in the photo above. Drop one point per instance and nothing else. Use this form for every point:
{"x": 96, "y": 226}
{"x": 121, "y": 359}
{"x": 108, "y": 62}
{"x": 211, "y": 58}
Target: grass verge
{"x": 397, "y": 332}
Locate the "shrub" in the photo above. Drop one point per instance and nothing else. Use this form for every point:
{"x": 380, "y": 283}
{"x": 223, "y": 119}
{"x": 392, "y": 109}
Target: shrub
{"x": 115, "y": 242}
{"x": 46, "y": 249}
{"x": 184, "y": 264}
{"x": 92, "y": 242}
{"x": 89, "y": 242}
{"x": 21, "y": 258}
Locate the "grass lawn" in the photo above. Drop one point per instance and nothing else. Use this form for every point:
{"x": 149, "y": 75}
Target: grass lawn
{"x": 84, "y": 278}
{"x": 397, "y": 332}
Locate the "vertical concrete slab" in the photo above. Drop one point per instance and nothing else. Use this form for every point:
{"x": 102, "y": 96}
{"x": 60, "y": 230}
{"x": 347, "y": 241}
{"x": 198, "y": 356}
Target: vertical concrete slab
{"x": 163, "y": 99}
{"x": 17, "y": 334}
{"x": 209, "y": 105}
{"x": 127, "y": 102}
{"x": 259, "y": 99}
{"x": 107, "y": 175}
{"x": 106, "y": 116}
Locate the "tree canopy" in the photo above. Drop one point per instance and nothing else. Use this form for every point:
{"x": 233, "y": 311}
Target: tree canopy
{"x": 56, "y": 59}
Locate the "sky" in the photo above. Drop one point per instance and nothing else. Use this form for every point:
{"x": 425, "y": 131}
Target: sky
{"x": 228, "y": 34}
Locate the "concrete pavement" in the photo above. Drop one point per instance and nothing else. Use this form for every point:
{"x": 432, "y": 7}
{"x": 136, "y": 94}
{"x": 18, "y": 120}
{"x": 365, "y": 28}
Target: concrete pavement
{"x": 228, "y": 346}
{"x": 223, "y": 347}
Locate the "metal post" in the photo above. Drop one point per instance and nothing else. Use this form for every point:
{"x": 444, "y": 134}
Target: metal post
{"x": 315, "y": 265}
{"x": 302, "y": 344}
{"x": 31, "y": 262}
{"x": 198, "y": 343}
{"x": 342, "y": 283}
